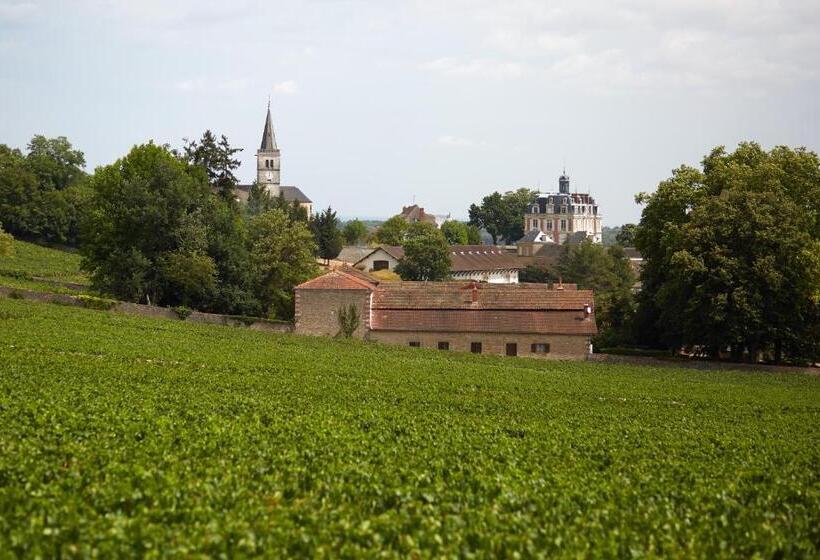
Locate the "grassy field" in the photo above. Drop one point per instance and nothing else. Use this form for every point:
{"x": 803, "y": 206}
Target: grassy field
{"x": 125, "y": 436}
{"x": 30, "y": 262}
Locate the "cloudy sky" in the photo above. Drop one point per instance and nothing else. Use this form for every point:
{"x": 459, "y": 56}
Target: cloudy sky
{"x": 378, "y": 102}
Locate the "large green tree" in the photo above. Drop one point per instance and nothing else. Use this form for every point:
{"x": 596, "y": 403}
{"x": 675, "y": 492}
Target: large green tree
{"x": 426, "y": 254}
{"x": 282, "y": 254}
{"x": 732, "y": 255}
{"x": 326, "y": 233}
{"x": 502, "y": 216}
{"x": 392, "y": 232}
{"x": 217, "y": 158}
{"x": 141, "y": 207}
{"x": 354, "y": 232}
{"x": 55, "y": 162}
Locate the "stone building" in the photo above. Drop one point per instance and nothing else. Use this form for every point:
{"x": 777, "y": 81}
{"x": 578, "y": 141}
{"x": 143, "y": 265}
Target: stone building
{"x": 533, "y": 320}
{"x": 268, "y": 171}
{"x": 561, "y": 214}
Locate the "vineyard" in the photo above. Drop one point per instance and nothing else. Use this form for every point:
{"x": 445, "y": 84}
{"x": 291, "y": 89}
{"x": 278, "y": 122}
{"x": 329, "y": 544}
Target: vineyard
{"x": 40, "y": 268}
{"x": 126, "y": 436}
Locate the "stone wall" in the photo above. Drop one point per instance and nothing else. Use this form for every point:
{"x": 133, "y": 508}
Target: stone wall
{"x": 317, "y": 311}
{"x": 561, "y": 346}
{"x": 697, "y": 364}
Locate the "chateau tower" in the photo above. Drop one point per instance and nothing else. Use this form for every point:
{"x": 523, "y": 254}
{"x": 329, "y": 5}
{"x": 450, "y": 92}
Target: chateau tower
{"x": 267, "y": 159}
{"x": 563, "y": 183}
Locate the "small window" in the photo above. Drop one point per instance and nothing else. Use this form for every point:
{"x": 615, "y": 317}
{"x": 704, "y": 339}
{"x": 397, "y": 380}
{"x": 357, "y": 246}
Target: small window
{"x": 414, "y": 344}
{"x": 512, "y": 349}
{"x": 548, "y": 225}
{"x": 475, "y": 347}
{"x": 381, "y": 265}
{"x": 443, "y": 345}
{"x": 535, "y": 223}
{"x": 563, "y": 225}
{"x": 541, "y": 348}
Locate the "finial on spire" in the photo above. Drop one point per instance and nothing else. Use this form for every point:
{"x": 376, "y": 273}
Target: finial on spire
{"x": 268, "y": 102}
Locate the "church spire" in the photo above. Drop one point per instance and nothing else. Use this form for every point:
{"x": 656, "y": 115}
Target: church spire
{"x": 268, "y": 138}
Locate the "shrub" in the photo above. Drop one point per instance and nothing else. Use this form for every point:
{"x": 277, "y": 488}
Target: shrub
{"x": 183, "y": 312}
{"x": 349, "y": 320}
{"x": 94, "y": 302}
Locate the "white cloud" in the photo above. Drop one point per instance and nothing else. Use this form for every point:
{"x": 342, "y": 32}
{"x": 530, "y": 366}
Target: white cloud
{"x": 459, "y": 142}
{"x": 288, "y": 87}
{"x": 485, "y": 68}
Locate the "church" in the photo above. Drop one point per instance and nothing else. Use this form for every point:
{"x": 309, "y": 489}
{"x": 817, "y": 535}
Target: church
{"x": 268, "y": 162}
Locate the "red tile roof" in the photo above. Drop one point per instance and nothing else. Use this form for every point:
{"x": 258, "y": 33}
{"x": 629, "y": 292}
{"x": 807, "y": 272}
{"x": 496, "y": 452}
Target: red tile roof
{"x": 480, "y": 320}
{"x": 339, "y": 279}
{"x": 458, "y": 295}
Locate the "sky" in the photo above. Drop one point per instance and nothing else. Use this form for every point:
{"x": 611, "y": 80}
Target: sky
{"x": 377, "y": 104}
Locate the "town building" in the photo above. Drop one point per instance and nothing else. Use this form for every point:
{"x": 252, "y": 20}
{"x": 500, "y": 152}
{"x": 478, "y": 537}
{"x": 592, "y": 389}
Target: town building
{"x": 414, "y": 213}
{"x": 561, "y": 214}
{"x": 268, "y": 171}
{"x": 533, "y": 320}
{"x": 482, "y": 263}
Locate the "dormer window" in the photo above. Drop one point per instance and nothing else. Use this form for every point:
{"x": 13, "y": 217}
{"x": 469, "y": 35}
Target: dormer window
{"x": 535, "y": 209}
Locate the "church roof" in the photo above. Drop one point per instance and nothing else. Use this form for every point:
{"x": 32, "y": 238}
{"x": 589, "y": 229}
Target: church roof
{"x": 291, "y": 193}
{"x": 268, "y": 138}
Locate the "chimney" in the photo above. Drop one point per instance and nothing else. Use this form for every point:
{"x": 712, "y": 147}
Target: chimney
{"x": 475, "y": 292}
{"x": 587, "y": 310}
{"x": 560, "y": 284}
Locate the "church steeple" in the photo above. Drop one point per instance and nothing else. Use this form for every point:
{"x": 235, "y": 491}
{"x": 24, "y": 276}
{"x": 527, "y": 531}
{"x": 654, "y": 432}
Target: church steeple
{"x": 268, "y": 137}
{"x": 267, "y": 158}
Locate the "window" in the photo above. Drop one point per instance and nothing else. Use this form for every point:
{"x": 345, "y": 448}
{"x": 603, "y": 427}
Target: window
{"x": 535, "y": 223}
{"x": 443, "y": 345}
{"x": 548, "y": 225}
{"x": 540, "y": 348}
{"x": 563, "y": 225}
{"x": 512, "y": 349}
{"x": 414, "y": 344}
{"x": 381, "y": 265}
{"x": 475, "y": 347}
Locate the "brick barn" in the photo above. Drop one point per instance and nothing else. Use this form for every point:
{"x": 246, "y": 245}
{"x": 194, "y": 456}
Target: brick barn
{"x": 534, "y": 320}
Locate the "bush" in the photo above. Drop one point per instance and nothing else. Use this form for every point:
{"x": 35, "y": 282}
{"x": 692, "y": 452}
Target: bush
{"x": 6, "y": 243}
{"x": 94, "y": 302}
{"x": 183, "y": 312}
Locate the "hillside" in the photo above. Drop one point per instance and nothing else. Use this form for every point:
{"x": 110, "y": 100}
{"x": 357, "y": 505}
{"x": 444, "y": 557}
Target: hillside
{"x": 126, "y": 436}
{"x": 41, "y": 268}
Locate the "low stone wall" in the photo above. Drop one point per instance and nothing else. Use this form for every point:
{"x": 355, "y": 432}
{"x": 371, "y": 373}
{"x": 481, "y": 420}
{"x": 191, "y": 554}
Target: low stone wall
{"x": 697, "y": 364}
{"x": 152, "y": 311}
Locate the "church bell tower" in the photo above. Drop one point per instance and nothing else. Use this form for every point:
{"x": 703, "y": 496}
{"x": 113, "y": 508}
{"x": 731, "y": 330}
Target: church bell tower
{"x": 267, "y": 159}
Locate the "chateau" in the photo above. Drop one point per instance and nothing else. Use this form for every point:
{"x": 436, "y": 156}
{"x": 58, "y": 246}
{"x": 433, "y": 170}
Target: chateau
{"x": 268, "y": 171}
{"x": 558, "y": 216}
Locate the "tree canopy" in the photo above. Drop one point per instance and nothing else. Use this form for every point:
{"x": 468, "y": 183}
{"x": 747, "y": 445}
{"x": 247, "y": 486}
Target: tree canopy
{"x": 392, "y": 232}
{"x": 732, "y": 256}
{"x": 502, "y": 216}
{"x": 426, "y": 254}
{"x": 325, "y": 227}
{"x": 354, "y": 232}
{"x": 216, "y": 157}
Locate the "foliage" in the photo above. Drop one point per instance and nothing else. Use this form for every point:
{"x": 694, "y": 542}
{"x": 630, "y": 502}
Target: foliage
{"x": 30, "y": 261}
{"x": 183, "y": 312}
{"x": 41, "y": 194}
{"x": 392, "y": 231}
{"x": 98, "y": 303}
{"x": 385, "y": 275}
{"x": 537, "y": 274}
{"x": 732, "y": 256}
{"x": 142, "y": 205}
{"x": 354, "y": 232}
{"x": 55, "y": 162}
{"x": 459, "y": 233}
{"x": 349, "y": 319}
{"x": 325, "y": 228}
{"x": 6, "y": 243}
{"x": 626, "y": 236}
{"x": 259, "y": 200}
{"x": 606, "y": 271}
{"x": 282, "y": 256}
{"x": 293, "y": 209}
{"x": 216, "y": 158}
{"x": 426, "y": 254}
{"x": 502, "y": 216}
{"x": 218, "y": 442}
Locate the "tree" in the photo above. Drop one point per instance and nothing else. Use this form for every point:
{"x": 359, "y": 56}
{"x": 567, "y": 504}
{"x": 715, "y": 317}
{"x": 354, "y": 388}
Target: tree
{"x": 354, "y": 232}
{"x": 537, "y": 274}
{"x": 259, "y": 200}
{"x": 293, "y": 209}
{"x": 473, "y": 235}
{"x": 282, "y": 256}
{"x": 55, "y": 162}
{"x": 426, "y": 254}
{"x": 325, "y": 227}
{"x": 502, "y": 216}
{"x": 732, "y": 256}
{"x": 608, "y": 273}
{"x": 216, "y": 157}
{"x": 392, "y": 232}
{"x": 455, "y": 232}
{"x": 626, "y": 236}
{"x": 141, "y": 205}
{"x": 19, "y": 190}
{"x": 6, "y": 243}
{"x": 349, "y": 319}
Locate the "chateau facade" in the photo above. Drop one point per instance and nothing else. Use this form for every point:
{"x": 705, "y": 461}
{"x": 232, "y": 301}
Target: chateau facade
{"x": 563, "y": 215}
